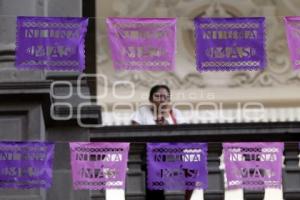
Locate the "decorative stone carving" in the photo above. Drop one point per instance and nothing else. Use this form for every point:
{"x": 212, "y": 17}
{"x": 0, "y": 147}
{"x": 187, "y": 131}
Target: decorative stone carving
{"x": 278, "y": 71}
{"x": 131, "y": 7}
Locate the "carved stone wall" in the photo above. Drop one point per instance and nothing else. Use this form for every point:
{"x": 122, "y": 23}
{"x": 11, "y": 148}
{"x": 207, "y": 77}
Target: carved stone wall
{"x": 264, "y": 86}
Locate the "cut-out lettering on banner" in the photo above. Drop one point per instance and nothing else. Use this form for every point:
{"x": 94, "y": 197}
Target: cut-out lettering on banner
{"x": 177, "y": 166}
{"x": 99, "y": 166}
{"x": 142, "y": 43}
{"x": 228, "y": 44}
{"x": 51, "y": 43}
{"x": 253, "y": 165}
{"x": 26, "y": 165}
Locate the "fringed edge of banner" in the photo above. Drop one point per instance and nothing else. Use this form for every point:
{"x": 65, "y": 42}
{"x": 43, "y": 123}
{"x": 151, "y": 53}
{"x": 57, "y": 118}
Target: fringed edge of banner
{"x": 202, "y": 69}
{"x": 254, "y": 187}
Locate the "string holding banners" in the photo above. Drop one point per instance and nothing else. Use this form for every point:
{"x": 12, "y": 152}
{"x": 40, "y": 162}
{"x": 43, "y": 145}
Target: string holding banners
{"x": 51, "y": 43}
{"x": 142, "y": 43}
{"x": 26, "y": 165}
{"x": 99, "y": 166}
{"x": 177, "y": 166}
{"x": 229, "y": 44}
{"x": 253, "y": 166}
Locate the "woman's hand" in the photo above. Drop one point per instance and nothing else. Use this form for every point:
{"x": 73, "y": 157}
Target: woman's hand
{"x": 161, "y": 120}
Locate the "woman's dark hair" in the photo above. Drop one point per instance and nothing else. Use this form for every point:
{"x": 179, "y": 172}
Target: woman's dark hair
{"x": 155, "y": 88}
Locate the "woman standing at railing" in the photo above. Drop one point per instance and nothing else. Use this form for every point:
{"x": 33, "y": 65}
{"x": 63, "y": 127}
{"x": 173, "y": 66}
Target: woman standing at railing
{"x": 159, "y": 112}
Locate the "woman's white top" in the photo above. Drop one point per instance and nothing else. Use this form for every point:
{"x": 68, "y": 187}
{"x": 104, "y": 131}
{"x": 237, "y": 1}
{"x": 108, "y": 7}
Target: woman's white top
{"x": 144, "y": 116}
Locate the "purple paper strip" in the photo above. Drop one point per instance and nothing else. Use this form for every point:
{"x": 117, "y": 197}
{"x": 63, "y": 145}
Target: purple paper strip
{"x": 292, "y": 26}
{"x": 142, "y": 43}
{"x": 228, "y": 44}
{"x": 51, "y": 43}
{"x": 99, "y": 166}
{"x": 26, "y": 165}
{"x": 177, "y": 166}
{"x": 253, "y": 166}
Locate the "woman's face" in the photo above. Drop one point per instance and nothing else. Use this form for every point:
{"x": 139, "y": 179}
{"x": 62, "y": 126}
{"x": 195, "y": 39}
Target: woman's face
{"x": 161, "y": 96}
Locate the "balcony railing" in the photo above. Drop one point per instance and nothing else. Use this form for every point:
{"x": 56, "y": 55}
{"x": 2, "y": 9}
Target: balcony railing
{"x": 214, "y": 134}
